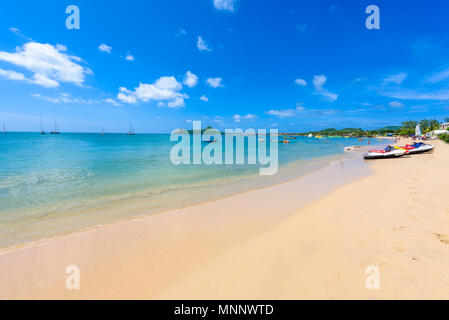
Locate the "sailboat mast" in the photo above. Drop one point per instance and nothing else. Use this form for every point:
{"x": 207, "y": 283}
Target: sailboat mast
{"x": 42, "y": 127}
{"x": 56, "y": 131}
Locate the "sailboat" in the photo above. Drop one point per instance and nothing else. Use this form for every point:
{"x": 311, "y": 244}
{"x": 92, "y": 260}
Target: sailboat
{"x": 42, "y": 129}
{"x": 418, "y": 131}
{"x": 56, "y": 131}
{"x": 102, "y": 131}
{"x": 4, "y": 130}
{"x": 131, "y": 130}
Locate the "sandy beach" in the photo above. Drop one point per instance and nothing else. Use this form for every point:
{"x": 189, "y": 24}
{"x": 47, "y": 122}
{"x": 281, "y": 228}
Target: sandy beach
{"x": 311, "y": 238}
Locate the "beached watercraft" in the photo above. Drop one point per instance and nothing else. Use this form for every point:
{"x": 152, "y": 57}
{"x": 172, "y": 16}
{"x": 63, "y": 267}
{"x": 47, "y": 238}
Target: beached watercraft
{"x": 388, "y": 152}
{"x": 418, "y": 147}
{"x": 352, "y": 148}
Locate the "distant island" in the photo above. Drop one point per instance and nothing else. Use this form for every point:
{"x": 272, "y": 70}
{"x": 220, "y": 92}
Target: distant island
{"x": 406, "y": 129}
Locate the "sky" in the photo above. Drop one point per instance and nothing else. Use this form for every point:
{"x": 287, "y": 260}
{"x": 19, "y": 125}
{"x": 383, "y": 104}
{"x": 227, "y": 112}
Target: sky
{"x": 161, "y": 64}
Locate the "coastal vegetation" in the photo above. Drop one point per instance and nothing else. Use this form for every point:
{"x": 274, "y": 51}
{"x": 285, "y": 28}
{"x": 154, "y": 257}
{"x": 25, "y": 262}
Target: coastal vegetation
{"x": 407, "y": 128}
{"x": 444, "y": 137}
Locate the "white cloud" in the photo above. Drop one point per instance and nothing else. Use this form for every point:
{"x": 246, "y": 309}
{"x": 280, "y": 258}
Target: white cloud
{"x": 129, "y": 57}
{"x": 48, "y": 64}
{"x": 177, "y": 103}
{"x": 329, "y": 95}
{"x": 105, "y": 48}
{"x": 299, "y": 107}
{"x": 190, "y": 79}
{"x": 396, "y": 104}
{"x": 226, "y": 5}
{"x": 249, "y": 116}
{"x": 181, "y": 32}
{"x": 204, "y": 98}
{"x": 215, "y": 82}
{"x": 65, "y": 98}
{"x": 318, "y": 83}
{"x": 437, "y": 77}
{"x": 61, "y": 47}
{"x": 126, "y": 96}
{"x": 282, "y": 113}
{"x": 396, "y": 78}
{"x": 440, "y": 95}
{"x": 12, "y": 75}
{"x": 16, "y": 31}
{"x": 286, "y": 113}
{"x": 301, "y": 82}
{"x": 112, "y": 101}
{"x": 165, "y": 89}
{"x": 201, "y": 45}
{"x": 44, "y": 81}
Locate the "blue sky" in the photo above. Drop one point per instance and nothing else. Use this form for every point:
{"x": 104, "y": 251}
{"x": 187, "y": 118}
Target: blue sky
{"x": 292, "y": 65}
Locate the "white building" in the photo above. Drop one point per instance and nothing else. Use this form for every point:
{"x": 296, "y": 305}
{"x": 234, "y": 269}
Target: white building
{"x": 444, "y": 126}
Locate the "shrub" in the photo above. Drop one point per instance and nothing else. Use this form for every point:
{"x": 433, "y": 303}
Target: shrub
{"x": 444, "y": 137}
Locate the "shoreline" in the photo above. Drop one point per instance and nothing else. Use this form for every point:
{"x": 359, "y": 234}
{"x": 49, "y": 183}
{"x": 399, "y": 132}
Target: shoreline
{"x": 265, "y": 244}
{"x": 179, "y": 219}
{"x": 314, "y": 165}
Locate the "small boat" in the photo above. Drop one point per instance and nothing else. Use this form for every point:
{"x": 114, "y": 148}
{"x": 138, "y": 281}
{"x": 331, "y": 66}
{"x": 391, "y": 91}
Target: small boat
{"x": 56, "y": 131}
{"x": 310, "y": 135}
{"x": 418, "y": 131}
{"x": 131, "y": 130}
{"x": 352, "y": 148}
{"x": 388, "y": 152}
{"x": 4, "y": 130}
{"x": 102, "y": 131}
{"x": 211, "y": 140}
{"x": 42, "y": 128}
{"x": 418, "y": 147}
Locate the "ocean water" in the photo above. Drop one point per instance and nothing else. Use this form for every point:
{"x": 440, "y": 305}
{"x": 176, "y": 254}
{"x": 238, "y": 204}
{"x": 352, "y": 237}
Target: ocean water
{"x": 55, "y": 184}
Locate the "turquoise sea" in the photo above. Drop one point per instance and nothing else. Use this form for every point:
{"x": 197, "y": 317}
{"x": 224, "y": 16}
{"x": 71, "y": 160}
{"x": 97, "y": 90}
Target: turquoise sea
{"x": 55, "y": 184}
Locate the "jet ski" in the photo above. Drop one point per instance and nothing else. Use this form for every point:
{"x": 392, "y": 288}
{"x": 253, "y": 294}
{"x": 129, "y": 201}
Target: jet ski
{"x": 388, "y": 152}
{"x": 418, "y": 147}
